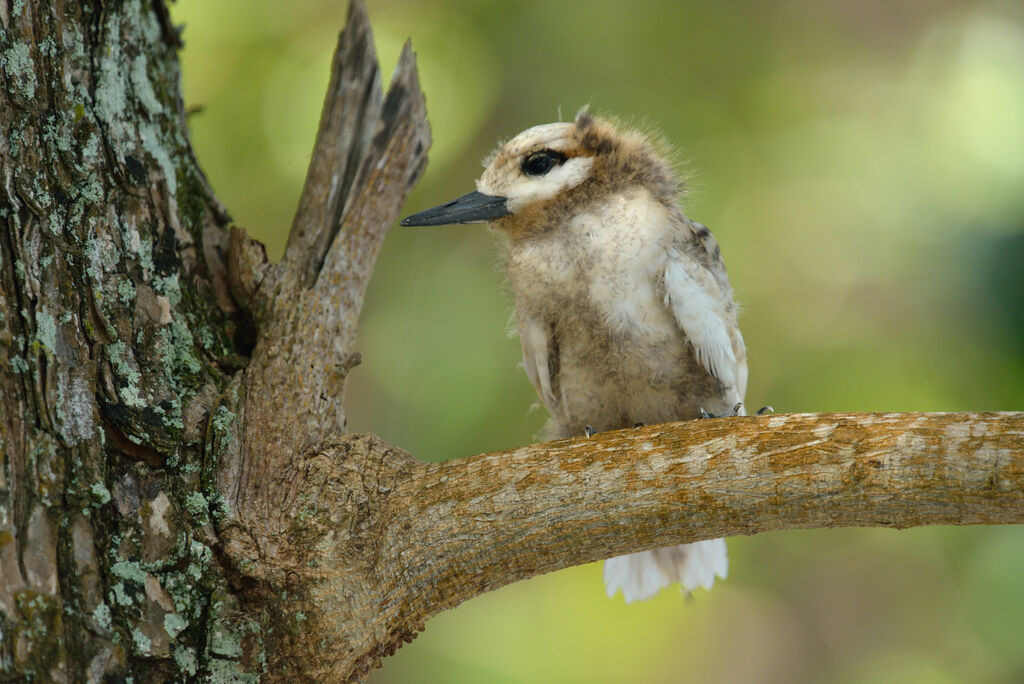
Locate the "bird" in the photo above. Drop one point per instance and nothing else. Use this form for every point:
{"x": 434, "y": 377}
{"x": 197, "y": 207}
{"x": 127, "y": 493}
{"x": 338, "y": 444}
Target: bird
{"x": 623, "y": 305}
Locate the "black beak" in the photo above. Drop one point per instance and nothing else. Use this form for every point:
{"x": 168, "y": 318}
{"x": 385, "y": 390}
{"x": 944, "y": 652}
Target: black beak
{"x": 472, "y": 207}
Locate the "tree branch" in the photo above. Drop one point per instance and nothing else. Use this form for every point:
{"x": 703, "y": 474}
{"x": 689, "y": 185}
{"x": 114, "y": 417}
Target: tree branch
{"x": 368, "y": 154}
{"x": 390, "y": 541}
{"x": 493, "y": 519}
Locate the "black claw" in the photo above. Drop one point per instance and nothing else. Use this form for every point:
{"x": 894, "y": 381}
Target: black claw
{"x": 735, "y": 412}
{"x": 636, "y": 425}
{"x": 588, "y": 431}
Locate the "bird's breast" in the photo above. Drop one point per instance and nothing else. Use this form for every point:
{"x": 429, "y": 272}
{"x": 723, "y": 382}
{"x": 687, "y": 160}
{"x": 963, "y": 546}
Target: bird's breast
{"x": 605, "y": 262}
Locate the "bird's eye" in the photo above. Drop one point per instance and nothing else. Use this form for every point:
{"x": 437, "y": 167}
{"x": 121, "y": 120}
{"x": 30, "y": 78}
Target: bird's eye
{"x": 539, "y": 163}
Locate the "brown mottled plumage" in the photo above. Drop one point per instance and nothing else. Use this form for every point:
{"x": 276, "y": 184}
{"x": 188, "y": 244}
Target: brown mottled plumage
{"x": 623, "y": 305}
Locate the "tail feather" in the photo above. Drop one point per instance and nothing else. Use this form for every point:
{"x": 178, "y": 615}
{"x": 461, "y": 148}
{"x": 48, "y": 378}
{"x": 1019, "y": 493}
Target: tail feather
{"x": 639, "y": 576}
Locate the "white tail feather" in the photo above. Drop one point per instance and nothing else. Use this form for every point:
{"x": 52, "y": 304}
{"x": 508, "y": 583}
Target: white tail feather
{"x": 639, "y": 576}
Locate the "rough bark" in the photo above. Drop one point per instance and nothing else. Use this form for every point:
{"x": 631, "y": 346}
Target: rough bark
{"x": 178, "y": 498}
{"x": 117, "y": 335}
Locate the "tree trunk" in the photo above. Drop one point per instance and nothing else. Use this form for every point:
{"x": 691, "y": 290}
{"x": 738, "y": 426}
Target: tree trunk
{"x": 118, "y": 336}
{"x": 178, "y": 499}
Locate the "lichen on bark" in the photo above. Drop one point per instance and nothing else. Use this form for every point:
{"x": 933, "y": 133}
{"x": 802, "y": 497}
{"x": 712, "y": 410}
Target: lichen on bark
{"x": 115, "y": 324}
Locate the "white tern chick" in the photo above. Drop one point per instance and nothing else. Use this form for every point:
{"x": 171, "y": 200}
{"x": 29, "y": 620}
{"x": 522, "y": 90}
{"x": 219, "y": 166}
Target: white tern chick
{"x": 623, "y": 305}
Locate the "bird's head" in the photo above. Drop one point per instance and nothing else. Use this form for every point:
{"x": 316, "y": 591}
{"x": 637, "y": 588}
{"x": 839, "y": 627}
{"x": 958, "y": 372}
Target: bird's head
{"x": 548, "y": 172}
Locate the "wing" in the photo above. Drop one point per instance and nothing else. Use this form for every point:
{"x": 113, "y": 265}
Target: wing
{"x": 697, "y": 293}
{"x": 537, "y": 357}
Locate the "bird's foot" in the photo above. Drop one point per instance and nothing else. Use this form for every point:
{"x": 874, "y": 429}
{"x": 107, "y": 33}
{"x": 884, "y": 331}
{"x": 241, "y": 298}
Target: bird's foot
{"x": 589, "y": 431}
{"x": 735, "y": 412}
{"x": 728, "y": 414}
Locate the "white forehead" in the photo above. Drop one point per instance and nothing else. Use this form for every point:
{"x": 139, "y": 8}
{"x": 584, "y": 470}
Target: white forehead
{"x": 553, "y": 136}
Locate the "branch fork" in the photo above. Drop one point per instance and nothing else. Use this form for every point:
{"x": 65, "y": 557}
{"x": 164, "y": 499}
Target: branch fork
{"x": 352, "y": 544}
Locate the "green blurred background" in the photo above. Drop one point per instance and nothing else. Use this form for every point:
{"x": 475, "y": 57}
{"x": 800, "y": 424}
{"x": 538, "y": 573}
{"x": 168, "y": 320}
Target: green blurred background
{"x": 862, "y": 165}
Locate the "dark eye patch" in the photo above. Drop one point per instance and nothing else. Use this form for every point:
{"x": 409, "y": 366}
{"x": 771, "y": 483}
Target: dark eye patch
{"x": 539, "y": 163}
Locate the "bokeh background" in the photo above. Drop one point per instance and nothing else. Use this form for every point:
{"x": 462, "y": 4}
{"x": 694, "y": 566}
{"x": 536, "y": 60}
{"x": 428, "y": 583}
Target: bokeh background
{"x": 862, "y": 165}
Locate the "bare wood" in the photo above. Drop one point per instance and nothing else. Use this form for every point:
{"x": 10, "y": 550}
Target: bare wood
{"x": 349, "y": 118}
{"x": 271, "y": 465}
{"x": 396, "y": 541}
{"x": 512, "y": 515}
{"x": 368, "y": 155}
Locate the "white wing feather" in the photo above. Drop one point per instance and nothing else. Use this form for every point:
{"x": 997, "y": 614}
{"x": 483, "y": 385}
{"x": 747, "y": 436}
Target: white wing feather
{"x": 694, "y": 298}
{"x": 534, "y": 340}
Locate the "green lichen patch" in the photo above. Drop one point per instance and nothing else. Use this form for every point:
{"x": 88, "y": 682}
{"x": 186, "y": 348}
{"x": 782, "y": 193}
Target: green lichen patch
{"x": 46, "y": 331}
{"x": 174, "y": 624}
{"x": 225, "y": 642}
{"x": 201, "y": 557}
{"x": 152, "y": 143}
{"x": 235, "y": 642}
{"x": 142, "y": 87}
{"x": 18, "y": 364}
{"x": 119, "y": 595}
{"x": 111, "y": 98}
{"x": 142, "y": 643}
{"x": 102, "y": 617}
{"x": 18, "y": 64}
{"x": 129, "y": 570}
{"x": 229, "y": 672}
{"x": 196, "y": 504}
{"x": 126, "y": 291}
{"x": 185, "y": 659}
{"x": 99, "y": 494}
{"x": 129, "y": 391}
